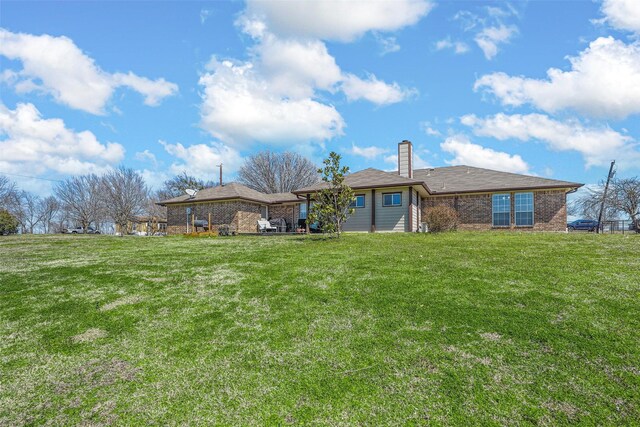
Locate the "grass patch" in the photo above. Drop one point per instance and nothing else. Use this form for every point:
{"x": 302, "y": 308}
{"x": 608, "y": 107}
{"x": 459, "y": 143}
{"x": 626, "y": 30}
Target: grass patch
{"x": 504, "y": 329}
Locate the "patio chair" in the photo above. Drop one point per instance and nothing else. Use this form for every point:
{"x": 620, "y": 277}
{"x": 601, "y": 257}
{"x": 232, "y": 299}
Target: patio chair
{"x": 265, "y": 226}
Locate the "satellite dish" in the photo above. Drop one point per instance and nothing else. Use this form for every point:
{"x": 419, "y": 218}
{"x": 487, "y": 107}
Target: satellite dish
{"x": 191, "y": 192}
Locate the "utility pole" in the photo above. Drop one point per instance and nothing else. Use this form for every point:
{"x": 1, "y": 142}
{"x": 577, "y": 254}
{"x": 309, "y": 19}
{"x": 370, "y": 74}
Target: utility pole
{"x": 604, "y": 195}
{"x": 220, "y": 166}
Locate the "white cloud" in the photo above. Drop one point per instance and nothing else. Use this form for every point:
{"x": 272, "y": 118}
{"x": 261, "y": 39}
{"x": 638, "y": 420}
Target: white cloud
{"x": 426, "y": 127}
{"x": 622, "y": 14}
{"x": 295, "y": 68}
{"x": 597, "y": 145}
{"x": 369, "y": 153}
{"x": 147, "y": 156}
{"x": 387, "y": 44}
{"x": 491, "y": 37}
{"x": 276, "y": 96}
{"x": 239, "y": 107}
{"x": 604, "y": 81}
{"x": 374, "y": 90}
{"x": 56, "y": 66}
{"x": 342, "y": 20}
{"x": 457, "y": 47}
{"x": 36, "y": 145}
{"x": 200, "y": 160}
{"x": 469, "y": 154}
{"x": 154, "y": 91}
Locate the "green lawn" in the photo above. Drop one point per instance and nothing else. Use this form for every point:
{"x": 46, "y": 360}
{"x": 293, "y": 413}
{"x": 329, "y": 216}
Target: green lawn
{"x": 483, "y": 328}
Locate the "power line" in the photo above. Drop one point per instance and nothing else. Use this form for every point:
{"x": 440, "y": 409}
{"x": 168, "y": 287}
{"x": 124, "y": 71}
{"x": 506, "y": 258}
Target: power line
{"x": 33, "y": 177}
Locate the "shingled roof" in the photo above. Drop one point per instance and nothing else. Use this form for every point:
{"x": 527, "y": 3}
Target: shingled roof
{"x": 468, "y": 179}
{"x": 367, "y": 178}
{"x": 232, "y": 191}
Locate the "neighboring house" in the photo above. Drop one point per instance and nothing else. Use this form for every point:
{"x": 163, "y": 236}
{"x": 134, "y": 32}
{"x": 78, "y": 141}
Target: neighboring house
{"x": 145, "y": 225}
{"x": 395, "y": 201}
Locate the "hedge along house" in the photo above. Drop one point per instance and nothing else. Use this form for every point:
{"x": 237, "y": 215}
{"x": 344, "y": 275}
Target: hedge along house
{"x": 230, "y": 204}
{"x": 484, "y": 199}
{"x": 394, "y": 201}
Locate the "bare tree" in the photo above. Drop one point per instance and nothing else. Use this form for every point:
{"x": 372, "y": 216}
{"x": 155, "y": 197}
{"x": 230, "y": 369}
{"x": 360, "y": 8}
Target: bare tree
{"x": 30, "y": 212}
{"x": 8, "y": 191}
{"x": 125, "y": 195}
{"x": 175, "y": 186}
{"x": 80, "y": 197}
{"x": 48, "y": 208}
{"x": 625, "y": 198}
{"x": 277, "y": 172}
{"x": 155, "y": 212}
{"x": 588, "y": 204}
{"x": 9, "y": 196}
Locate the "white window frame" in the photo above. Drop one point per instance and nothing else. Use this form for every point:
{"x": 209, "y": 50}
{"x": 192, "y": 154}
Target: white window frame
{"x": 516, "y": 211}
{"x": 493, "y": 211}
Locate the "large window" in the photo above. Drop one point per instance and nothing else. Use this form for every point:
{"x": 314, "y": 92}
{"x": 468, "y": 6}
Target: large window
{"x": 524, "y": 209}
{"x": 303, "y": 210}
{"x": 358, "y": 201}
{"x": 392, "y": 199}
{"x": 501, "y": 210}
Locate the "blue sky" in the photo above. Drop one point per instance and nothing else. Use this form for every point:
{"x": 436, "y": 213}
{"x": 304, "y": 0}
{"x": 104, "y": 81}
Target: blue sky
{"x": 540, "y": 87}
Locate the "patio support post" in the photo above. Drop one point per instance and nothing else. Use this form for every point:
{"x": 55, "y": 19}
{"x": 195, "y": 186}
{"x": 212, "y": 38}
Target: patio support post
{"x": 410, "y": 209}
{"x": 373, "y": 210}
{"x": 308, "y": 207}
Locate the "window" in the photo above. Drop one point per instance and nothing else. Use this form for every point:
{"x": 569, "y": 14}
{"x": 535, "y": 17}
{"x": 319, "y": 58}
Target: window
{"x": 358, "y": 201}
{"x": 501, "y": 210}
{"x": 303, "y": 210}
{"x": 392, "y": 199}
{"x": 524, "y": 209}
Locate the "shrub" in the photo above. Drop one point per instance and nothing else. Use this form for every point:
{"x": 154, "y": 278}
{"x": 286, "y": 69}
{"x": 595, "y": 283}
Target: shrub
{"x": 8, "y": 224}
{"x": 441, "y": 218}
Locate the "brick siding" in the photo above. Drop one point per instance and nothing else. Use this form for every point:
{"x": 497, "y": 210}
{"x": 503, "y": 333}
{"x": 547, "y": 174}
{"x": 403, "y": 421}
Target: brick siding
{"x": 475, "y": 210}
{"x": 291, "y": 213}
{"x": 241, "y": 214}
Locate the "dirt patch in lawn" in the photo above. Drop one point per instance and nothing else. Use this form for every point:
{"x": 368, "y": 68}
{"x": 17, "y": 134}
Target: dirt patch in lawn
{"x": 129, "y": 299}
{"x": 89, "y": 335}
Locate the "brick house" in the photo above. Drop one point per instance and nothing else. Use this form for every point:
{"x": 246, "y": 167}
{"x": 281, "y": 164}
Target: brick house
{"x": 395, "y": 201}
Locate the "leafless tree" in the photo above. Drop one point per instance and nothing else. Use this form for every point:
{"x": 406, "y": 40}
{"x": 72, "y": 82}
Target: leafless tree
{"x": 625, "y": 197}
{"x": 81, "y": 197}
{"x": 9, "y": 195}
{"x": 125, "y": 195}
{"x": 588, "y": 205}
{"x": 48, "y": 208}
{"x": 154, "y": 211}
{"x": 175, "y": 186}
{"x": 277, "y": 172}
{"x": 7, "y": 190}
{"x": 30, "y": 217}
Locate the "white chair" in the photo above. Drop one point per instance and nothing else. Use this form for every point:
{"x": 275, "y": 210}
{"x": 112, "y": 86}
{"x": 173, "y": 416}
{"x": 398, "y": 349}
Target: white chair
{"x": 265, "y": 226}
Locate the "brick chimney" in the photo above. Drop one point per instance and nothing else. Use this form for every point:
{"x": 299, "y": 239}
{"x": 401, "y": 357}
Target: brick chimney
{"x": 405, "y": 159}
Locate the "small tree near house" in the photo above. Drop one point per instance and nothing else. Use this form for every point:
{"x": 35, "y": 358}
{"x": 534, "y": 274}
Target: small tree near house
{"x": 331, "y": 205}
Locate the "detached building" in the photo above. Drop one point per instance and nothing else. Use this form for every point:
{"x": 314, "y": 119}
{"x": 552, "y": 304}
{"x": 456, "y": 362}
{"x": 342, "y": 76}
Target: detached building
{"x": 394, "y": 201}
